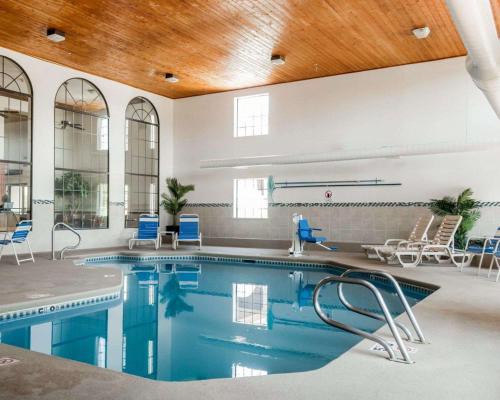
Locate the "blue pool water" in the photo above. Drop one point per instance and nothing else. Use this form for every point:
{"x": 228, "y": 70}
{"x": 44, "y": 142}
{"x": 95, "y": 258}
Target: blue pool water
{"x": 185, "y": 320}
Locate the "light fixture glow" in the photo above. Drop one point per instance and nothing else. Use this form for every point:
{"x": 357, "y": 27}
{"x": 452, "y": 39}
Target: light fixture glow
{"x": 276, "y": 59}
{"x": 55, "y": 35}
{"x": 171, "y": 78}
{"x": 421, "y": 33}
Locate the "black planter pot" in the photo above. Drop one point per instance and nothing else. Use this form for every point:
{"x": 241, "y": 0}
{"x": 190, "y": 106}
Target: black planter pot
{"x": 172, "y": 228}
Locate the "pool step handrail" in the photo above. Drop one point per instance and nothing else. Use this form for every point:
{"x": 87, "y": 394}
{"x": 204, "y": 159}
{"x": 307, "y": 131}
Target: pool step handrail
{"x": 401, "y": 297}
{"x": 351, "y": 329}
{"x": 71, "y": 247}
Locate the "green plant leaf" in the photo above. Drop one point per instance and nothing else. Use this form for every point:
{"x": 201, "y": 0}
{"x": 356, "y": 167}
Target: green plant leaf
{"x": 173, "y": 201}
{"x": 463, "y": 205}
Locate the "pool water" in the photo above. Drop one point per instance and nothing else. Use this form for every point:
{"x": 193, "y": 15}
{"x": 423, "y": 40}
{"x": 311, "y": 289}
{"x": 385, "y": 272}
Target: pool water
{"x": 180, "y": 321}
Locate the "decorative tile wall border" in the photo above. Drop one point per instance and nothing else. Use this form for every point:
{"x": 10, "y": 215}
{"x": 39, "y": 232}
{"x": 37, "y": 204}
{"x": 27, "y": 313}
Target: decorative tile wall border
{"x": 37, "y": 311}
{"x": 239, "y": 260}
{"x": 43, "y": 201}
{"x": 345, "y": 204}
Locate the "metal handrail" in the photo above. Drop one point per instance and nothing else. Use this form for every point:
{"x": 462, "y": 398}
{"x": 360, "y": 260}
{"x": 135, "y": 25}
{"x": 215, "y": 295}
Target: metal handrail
{"x": 388, "y": 318}
{"x": 72, "y": 247}
{"x": 400, "y": 294}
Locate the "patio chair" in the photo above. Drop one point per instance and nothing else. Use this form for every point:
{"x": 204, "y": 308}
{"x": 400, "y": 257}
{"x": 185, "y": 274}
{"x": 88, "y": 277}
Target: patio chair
{"x": 440, "y": 249}
{"x": 147, "y": 231}
{"x": 20, "y": 235}
{"x": 418, "y": 234}
{"x": 189, "y": 230}
{"x": 494, "y": 261}
{"x": 480, "y": 246}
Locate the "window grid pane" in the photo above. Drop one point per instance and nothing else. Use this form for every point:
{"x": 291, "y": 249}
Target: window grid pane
{"x": 250, "y": 198}
{"x": 141, "y": 161}
{"x": 15, "y": 144}
{"x": 251, "y": 115}
{"x": 81, "y": 156}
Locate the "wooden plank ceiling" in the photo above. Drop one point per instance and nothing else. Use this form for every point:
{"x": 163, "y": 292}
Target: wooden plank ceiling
{"x": 219, "y": 45}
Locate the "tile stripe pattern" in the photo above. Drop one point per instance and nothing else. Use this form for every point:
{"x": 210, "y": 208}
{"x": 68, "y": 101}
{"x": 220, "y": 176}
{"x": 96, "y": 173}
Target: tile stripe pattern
{"x": 42, "y": 201}
{"x": 239, "y": 260}
{"x": 56, "y": 307}
{"x": 347, "y": 204}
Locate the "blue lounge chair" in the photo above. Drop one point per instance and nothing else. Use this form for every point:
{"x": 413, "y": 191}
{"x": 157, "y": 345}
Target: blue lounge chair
{"x": 20, "y": 235}
{"x": 147, "y": 231}
{"x": 304, "y": 235}
{"x": 189, "y": 230}
{"x": 188, "y": 275}
{"x": 480, "y": 246}
{"x": 495, "y": 261}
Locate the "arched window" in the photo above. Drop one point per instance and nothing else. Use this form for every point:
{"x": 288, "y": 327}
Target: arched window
{"x": 16, "y": 108}
{"x": 141, "y": 160}
{"x": 81, "y": 155}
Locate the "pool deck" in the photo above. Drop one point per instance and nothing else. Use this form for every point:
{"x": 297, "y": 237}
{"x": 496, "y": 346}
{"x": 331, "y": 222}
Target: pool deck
{"x": 461, "y": 320}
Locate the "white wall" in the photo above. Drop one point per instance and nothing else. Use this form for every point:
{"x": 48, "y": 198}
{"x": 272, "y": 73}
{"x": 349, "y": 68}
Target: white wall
{"x": 421, "y": 103}
{"x": 46, "y": 79}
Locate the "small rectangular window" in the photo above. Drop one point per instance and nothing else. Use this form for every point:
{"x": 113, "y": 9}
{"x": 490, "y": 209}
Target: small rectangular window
{"x": 251, "y": 115}
{"x": 250, "y": 198}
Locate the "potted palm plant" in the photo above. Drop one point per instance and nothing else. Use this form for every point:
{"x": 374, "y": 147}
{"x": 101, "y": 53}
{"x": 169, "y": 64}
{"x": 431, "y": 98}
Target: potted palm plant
{"x": 173, "y": 202}
{"x": 463, "y": 205}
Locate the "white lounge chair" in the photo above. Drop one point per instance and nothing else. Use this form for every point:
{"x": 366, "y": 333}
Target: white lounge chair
{"x": 418, "y": 234}
{"x": 440, "y": 249}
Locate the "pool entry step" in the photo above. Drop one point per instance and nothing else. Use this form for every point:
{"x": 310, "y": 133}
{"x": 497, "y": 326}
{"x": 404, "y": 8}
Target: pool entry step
{"x": 346, "y": 278}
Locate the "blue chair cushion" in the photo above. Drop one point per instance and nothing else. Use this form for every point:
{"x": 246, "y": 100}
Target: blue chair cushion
{"x": 189, "y": 228}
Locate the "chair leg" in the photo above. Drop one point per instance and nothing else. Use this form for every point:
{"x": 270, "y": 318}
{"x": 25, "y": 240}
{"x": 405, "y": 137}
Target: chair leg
{"x": 15, "y": 253}
{"x": 31, "y": 251}
{"x": 493, "y": 258}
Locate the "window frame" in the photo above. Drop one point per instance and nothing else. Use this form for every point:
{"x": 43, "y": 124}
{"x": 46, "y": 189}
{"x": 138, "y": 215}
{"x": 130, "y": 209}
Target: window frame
{"x": 235, "y": 198}
{"x": 30, "y": 97}
{"x": 126, "y": 188}
{"x": 236, "y": 115}
{"x": 98, "y": 142}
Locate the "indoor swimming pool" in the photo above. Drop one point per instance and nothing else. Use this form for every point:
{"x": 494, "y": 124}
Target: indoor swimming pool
{"x": 196, "y": 318}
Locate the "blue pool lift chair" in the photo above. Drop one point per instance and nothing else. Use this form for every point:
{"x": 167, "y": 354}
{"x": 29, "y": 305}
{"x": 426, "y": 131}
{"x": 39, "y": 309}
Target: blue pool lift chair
{"x": 19, "y": 236}
{"x": 304, "y": 235}
{"x": 189, "y": 230}
{"x": 148, "y": 230}
{"x": 480, "y": 246}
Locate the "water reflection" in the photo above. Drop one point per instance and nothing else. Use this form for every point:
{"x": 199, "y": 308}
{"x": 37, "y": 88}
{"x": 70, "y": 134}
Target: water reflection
{"x": 179, "y": 322}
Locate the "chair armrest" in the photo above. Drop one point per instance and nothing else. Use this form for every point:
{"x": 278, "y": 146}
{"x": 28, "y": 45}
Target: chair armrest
{"x": 434, "y": 246}
{"x": 396, "y": 241}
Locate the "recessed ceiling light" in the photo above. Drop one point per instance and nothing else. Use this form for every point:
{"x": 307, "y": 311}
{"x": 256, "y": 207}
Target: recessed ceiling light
{"x": 276, "y": 59}
{"x": 171, "y": 78}
{"x": 55, "y": 35}
{"x": 421, "y": 33}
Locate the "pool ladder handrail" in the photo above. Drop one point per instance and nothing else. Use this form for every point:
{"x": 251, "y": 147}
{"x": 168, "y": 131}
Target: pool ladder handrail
{"x": 71, "y": 247}
{"x": 351, "y": 329}
{"x": 400, "y": 294}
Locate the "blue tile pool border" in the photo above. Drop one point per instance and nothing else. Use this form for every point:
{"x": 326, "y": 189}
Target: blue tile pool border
{"x": 47, "y": 309}
{"x": 244, "y": 261}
